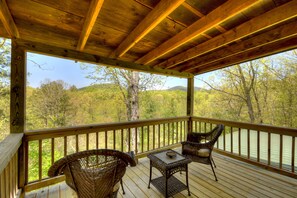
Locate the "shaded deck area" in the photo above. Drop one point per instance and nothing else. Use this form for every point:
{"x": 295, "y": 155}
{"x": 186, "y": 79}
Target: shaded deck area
{"x": 236, "y": 179}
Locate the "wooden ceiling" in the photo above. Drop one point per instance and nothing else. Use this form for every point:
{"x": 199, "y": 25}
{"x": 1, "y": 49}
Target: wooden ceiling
{"x": 171, "y": 37}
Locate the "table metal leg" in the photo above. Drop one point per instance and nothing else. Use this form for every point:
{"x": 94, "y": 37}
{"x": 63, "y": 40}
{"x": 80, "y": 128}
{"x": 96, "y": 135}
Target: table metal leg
{"x": 187, "y": 180}
{"x": 166, "y": 185}
{"x": 150, "y": 174}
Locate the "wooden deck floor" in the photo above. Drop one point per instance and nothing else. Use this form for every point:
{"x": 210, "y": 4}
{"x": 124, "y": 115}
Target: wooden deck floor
{"x": 236, "y": 179}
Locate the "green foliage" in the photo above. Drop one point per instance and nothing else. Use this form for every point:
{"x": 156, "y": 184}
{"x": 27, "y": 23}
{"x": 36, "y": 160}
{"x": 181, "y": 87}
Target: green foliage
{"x": 5, "y": 58}
{"x": 260, "y": 91}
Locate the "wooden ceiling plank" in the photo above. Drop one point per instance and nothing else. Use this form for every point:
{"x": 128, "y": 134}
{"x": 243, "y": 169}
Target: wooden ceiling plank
{"x": 90, "y": 20}
{"x": 266, "y": 20}
{"x": 219, "y": 15}
{"x": 7, "y": 20}
{"x": 160, "y": 12}
{"x": 283, "y": 32}
{"x": 90, "y": 58}
{"x": 265, "y": 50}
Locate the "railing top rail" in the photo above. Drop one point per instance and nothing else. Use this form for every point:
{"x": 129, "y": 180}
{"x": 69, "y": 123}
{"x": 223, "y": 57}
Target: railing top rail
{"x": 8, "y": 147}
{"x": 67, "y": 131}
{"x": 256, "y": 127}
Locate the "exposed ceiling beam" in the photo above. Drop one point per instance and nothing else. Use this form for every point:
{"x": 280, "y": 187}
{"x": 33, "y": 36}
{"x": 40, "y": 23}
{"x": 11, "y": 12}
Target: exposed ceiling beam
{"x": 95, "y": 59}
{"x": 282, "y": 32}
{"x": 7, "y": 20}
{"x": 199, "y": 14}
{"x": 275, "y": 16}
{"x": 265, "y": 50}
{"x": 219, "y": 15}
{"x": 160, "y": 12}
{"x": 90, "y": 20}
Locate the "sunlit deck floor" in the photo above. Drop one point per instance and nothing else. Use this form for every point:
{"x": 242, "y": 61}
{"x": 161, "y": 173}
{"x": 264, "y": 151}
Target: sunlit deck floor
{"x": 236, "y": 179}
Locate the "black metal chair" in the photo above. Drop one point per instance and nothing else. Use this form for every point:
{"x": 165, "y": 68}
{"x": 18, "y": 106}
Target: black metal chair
{"x": 93, "y": 173}
{"x": 199, "y": 146}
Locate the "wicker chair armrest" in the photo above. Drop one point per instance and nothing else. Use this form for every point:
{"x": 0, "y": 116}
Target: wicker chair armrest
{"x": 200, "y": 134}
{"x": 131, "y": 159}
{"x": 198, "y": 145}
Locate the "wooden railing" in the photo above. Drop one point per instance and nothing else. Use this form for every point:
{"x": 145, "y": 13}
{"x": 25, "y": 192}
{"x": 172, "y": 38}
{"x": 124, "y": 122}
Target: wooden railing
{"x": 44, "y": 147}
{"x": 271, "y": 147}
{"x": 9, "y": 180}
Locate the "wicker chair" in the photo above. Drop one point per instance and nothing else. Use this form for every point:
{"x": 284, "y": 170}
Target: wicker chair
{"x": 199, "y": 146}
{"x": 93, "y": 173}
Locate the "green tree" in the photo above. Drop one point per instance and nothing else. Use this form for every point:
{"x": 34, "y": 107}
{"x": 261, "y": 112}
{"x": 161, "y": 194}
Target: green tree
{"x": 50, "y": 104}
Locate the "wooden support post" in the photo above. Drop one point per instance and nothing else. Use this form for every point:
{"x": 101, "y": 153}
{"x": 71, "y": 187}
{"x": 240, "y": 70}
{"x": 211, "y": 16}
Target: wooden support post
{"x": 190, "y": 102}
{"x": 17, "y": 89}
{"x": 17, "y": 103}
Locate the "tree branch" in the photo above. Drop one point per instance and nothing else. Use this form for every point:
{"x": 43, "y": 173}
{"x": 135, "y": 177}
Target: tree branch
{"x": 222, "y": 91}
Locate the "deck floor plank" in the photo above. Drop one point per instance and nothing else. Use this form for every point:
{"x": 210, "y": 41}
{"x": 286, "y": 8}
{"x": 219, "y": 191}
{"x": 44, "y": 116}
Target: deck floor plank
{"x": 274, "y": 186}
{"x": 236, "y": 179}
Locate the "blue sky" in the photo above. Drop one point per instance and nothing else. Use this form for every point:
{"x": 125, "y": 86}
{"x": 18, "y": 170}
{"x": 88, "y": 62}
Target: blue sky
{"x": 41, "y": 67}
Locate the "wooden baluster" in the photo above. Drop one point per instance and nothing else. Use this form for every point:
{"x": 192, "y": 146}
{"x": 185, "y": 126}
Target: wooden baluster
{"x": 204, "y": 127}
{"x": 2, "y": 184}
{"x": 168, "y": 131}
{"x": 11, "y": 177}
{"x": 26, "y": 155}
{"x": 281, "y": 152}
{"x": 269, "y": 149}
{"x": 231, "y": 135}
{"x": 114, "y": 139}
{"x": 258, "y": 146}
{"x": 249, "y": 144}
{"x": 87, "y": 141}
{"x": 173, "y": 132}
{"x": 224, "y": 138}
{"x": 97, "y": 140}
{"x": 39, "y": 160}
{"x": 239, "y": 141}
{"x": 196, "y": 125}
{"x": 142, "y": 138}
{"x": 293, "y": 155}
{"x": 122, "y": 140}
{"x": 136, "y": 142}
{"x": 153, "y": 137}
{"x": 185, "y": 129}
{"x": 159, "y": 134}
{"x": 76, "y": 143}
{"x": 129, "y": 139}
{"x": 7, "y": 180}
{"x": 181, "y": 131}
{"x": 177, "y": 132}
{"x": 53, "y": 151}
{"x": 200, "y": 127}
{"x": 14, "y": 174}
{"x": 164, "y": 135}
{"x": 148, "y": 138}
{"x": 65, "y": 145}
{"x": 105, "y": 133}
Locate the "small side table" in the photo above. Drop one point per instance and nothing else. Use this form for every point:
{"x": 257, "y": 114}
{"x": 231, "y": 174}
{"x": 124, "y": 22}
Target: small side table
{"x": 167, "y": 184}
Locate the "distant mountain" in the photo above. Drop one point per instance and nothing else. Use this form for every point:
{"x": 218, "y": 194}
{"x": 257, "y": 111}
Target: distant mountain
{"x": 182, "y": 88}
{"x": 112, "y": 86}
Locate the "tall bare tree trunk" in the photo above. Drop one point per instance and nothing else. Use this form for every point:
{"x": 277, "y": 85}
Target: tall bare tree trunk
{"x": 132, "y": 104}
{"x": 247, "y": 93}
